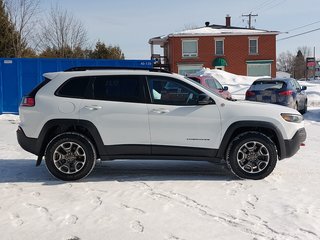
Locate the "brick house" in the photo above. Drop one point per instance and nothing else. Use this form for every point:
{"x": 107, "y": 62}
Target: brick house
{"x": 237, "y": 50}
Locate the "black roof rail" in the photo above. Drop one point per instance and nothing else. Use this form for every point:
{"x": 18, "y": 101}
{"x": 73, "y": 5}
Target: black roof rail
{"x": 84, "y": 68}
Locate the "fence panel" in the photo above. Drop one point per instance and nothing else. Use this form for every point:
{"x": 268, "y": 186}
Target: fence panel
{"x": 18, "y": 76}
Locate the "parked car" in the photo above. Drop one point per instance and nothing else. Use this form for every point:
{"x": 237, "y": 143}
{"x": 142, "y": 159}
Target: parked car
{"x": 282, "y": 91}
{"x": 213, "y": 84}
{"x": 75, "y": 117}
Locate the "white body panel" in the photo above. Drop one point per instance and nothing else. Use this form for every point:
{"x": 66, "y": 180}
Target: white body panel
{"x": 118, "y": 122}
{"x": 187, "y": 126}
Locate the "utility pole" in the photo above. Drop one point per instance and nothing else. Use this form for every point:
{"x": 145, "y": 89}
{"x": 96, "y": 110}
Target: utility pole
{"x": 250, "y": 16}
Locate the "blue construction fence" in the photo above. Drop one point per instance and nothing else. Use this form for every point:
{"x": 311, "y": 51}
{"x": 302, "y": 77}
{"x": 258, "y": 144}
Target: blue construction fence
{"x": 18, "y": 76}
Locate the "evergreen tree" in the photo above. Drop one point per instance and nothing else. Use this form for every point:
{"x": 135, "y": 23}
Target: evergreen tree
{"x": 102, "y": 51}
{"x": 6, "y": 33}
{"x": 299, "y": 66}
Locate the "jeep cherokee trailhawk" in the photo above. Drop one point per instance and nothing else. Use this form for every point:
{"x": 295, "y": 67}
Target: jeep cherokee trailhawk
{"x": 78, "y": 116}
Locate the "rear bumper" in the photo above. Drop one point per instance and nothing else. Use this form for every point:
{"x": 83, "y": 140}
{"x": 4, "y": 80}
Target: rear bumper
{"x": 28, "y": 144}
{"x": 293, "y": 145}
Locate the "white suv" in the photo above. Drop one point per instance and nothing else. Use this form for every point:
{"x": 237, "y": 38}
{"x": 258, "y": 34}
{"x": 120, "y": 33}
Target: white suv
{"x": 75, "y": 117}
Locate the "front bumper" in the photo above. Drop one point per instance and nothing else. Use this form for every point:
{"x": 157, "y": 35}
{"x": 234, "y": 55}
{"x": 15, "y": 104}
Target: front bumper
{"x": 293, "y": 145}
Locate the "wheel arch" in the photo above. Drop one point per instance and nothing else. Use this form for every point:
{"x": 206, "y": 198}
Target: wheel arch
{"x": 240, "y": 127}
{"x": 57, "y": 126}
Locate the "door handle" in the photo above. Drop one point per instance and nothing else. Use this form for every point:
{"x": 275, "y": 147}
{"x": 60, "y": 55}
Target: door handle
{"x": 160, "y": 110}
{"x": 93, "y": 107}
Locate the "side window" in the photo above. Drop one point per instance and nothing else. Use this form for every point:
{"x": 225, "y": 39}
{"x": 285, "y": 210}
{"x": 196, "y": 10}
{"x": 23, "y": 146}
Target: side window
{"x": 119, "y": 88}
{"x": 171, "y": 92}
{"x": 211, "y": 83}
{"x": 296, "y": 85}
{"x": 74, "y": 88}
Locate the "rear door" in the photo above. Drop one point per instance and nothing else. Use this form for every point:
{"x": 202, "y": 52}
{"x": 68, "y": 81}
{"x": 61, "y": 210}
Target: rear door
{"x": 117, "y": 107}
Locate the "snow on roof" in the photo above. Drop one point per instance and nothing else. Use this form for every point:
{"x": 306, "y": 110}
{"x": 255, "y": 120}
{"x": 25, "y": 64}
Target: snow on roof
{"x": 212, "y": 30}
{"x": 215, "y": 31}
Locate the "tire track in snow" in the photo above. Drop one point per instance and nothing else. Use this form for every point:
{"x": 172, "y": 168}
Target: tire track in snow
{"x": 137, "y": 210}
{"x": 309, "y": 233}
{"x": 244, "y": 225}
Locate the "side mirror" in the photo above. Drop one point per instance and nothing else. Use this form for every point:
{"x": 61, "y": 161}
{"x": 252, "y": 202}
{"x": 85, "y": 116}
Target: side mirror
{"x": 303, "y": 88}
{"x": 204, "y": 99}
{"x": 225, "y": 88}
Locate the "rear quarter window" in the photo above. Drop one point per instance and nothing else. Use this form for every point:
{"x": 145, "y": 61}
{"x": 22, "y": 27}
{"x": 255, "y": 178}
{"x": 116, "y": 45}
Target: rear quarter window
{"x": 38, "y": 87}
{"x": 74, "y": 88}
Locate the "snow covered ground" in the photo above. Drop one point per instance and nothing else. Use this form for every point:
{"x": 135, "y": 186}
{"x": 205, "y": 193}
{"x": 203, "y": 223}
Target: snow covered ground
{"x": 165, "y": 200}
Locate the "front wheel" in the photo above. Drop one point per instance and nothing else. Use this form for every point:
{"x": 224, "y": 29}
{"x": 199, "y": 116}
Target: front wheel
{"x": 305, "y": 107}
{"x": 70, "y": 156}
{"x": 252, "y": 155}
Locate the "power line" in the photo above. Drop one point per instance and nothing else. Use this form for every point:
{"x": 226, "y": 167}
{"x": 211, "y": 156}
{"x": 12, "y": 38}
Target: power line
{"x": 271, "y": 7}
{"x": 263, "y": 5}
{"x": 317, "y": 29}
{"x": 307, "y": 25}
{"x": 267, "y": 5}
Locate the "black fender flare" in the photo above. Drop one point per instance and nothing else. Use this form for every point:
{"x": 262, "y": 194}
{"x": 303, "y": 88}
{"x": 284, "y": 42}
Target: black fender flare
{"x": 93, "y": 131}
{"x": 251, "y": 125}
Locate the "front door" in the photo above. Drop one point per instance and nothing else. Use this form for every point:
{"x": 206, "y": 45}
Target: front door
{"x": 178, "y": 125}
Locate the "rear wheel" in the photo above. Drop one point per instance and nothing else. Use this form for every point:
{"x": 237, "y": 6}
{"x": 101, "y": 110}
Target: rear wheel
{"x": 252, "y": 155}
{"x": 70, "y": 156}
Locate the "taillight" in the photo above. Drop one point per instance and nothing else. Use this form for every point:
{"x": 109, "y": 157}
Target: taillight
{"x": 250, "y": 94}
{"x": 28, "y": 102}
{"x": 286, "y": 93}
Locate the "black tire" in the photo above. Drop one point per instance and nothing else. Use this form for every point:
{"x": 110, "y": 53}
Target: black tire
{"x": 305, "y": 107}
{"x": 255, "y": 163}
{"x": 70, "y": 156}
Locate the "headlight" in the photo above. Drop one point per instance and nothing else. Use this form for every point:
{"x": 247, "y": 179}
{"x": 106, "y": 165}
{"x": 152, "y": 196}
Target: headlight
{"x": 289, "y": 117}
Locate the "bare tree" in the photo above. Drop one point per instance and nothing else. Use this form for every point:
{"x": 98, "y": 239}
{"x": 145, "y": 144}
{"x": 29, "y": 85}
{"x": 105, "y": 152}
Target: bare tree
{"x": 62, "y": 33}
{"x": 285, "y": 62}
{"x": 23, "y": 15}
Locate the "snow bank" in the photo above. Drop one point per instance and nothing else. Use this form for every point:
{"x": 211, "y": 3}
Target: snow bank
{"x": 313, "y": 91}
{"x": 237, "y": 84}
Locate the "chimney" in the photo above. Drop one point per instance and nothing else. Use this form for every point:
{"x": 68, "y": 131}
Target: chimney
{"x": 228, "y": 21}
{"x": 207, "y": 24}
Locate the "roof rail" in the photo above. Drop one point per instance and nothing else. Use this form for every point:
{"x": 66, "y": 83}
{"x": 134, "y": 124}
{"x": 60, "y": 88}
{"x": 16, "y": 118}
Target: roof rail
{"x": 85, "y": 68}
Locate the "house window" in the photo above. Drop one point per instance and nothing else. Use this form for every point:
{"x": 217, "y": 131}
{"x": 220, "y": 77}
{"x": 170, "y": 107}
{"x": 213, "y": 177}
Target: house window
{"x": 253, "y": 46}
{"x": 185, "y": 69}
{"x": 190, "y": 48}
{"x": 259, "y": 68}
{"x": 219, "y": 47}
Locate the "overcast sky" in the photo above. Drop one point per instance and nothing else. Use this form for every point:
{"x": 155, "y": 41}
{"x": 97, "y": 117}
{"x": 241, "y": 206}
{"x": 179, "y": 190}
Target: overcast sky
{"x": 131, "y": 23}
